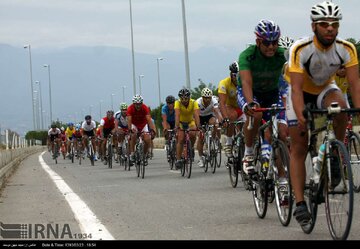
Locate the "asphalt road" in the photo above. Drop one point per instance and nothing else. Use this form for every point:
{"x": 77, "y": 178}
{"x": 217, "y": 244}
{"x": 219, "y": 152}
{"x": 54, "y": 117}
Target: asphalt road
{"x": 102, "y": 203}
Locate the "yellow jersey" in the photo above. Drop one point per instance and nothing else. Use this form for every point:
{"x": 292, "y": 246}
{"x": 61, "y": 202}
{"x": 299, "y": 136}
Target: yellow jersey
{"x": 319, "y": 64}
{"x": 187, "y": 113}
{"x": 69, "y": 132}
{"x": 227, "y": 87}
{"x": 342, "y": 83}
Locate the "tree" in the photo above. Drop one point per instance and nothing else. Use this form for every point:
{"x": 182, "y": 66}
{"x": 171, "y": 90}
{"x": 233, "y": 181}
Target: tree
{"x": 196, "y": 92}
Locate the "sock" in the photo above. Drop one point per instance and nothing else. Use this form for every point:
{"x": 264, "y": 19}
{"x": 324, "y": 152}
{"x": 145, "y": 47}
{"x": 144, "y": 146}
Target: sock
{"x": 228, "y": 140}
{"x": 248, "y": 150}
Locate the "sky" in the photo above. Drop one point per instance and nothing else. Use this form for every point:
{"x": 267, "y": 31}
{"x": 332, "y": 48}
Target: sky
{"x": 157, "y": 24}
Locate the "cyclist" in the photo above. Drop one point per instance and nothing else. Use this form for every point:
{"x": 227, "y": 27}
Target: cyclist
{"x": 121, "y": 126}
{"x": 107, "y": 126}
{"x": 260, "y": 67}
{"x": 77, "y": 135}
{"x": 186, "y": 116}
{"x": 54, "y": 137}
{"x": 209, "y": 114}
{"x": 228, "y": 105}
{"x": 285, "y": 42}
{"x": 139, "y": 120}
{"x": 311, "y": 85}
{"x": 88, "y": 129}
{"x": 69, "y": 136}
{"x": 168, "y": 118}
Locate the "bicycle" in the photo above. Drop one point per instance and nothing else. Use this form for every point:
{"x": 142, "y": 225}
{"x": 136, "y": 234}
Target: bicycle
{"x": 352, "y": 143}
{"x": 63, "y": 149}
{"x": 90, "y": 150}
{"x": 210, "y": 151}
{"x": 109, "y": 151}
{"x": 124, "y": 152}
{"x": 170, "y": 148}
{"x": 79, "y": 150}
{"x": 333, "y": 185}
{"x": 72, "y": 151}
{"x": 234, "y": 164}
{"x": 55, "y": 151}
{"x": 273, "y": 178}
{"x": 140, "y": 157}
{"x": 186, "y": 155}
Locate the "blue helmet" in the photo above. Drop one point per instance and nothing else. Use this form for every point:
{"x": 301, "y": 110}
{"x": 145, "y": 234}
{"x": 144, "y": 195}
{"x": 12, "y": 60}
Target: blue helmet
{"x": 267, "y": 30}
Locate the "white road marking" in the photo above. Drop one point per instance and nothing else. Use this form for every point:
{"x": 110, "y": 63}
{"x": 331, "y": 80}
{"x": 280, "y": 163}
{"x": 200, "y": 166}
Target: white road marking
{"x": 88, "y": 222}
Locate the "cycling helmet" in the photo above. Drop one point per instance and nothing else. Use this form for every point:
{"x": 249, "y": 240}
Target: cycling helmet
{"x": 234, "y": 67}
{"x": 137, "y": 99}
{"x": 206, "y": 92}
{"x": 77, "y": 127}
{"x": 184, "y": 93}
{"x": 70, "y": 124}
{"x": 324, "y": 10}
{"x": 110, "y": 112}
{"x": 53, "y": 126}
{"x": 123, "y": 106}
{"x": 267, "y": 30}
{"x": 170, "y": 99}
{"x": 285, "y": 42}
{"x": 87, "y": 117}
{"x": 62, "y": 128}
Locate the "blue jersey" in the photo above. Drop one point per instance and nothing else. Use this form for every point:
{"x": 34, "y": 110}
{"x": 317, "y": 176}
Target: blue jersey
{"x": 170, "y": 118}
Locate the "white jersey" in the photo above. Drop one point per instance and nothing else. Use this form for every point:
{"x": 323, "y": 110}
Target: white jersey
{"x": 53, "y": 133}
{"x": 208, "y": 110}
{"x": 122, "y": 120}
{"x": 89, "y": 127}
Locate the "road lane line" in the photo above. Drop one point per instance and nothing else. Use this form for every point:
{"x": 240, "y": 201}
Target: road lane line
{"x": 88, "y": 222}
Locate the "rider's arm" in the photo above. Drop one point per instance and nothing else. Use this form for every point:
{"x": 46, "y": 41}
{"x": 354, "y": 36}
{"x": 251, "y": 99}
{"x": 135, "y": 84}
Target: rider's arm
{"x": 247, "y": 84}
{"x": 197, "y": 118}
{"x": 352, "y": 74}
{"x": 150, "y": 123}
{"x": 297, "y": 97}
{"x": 222, "y": 104}
{"x": 129, "y": 121}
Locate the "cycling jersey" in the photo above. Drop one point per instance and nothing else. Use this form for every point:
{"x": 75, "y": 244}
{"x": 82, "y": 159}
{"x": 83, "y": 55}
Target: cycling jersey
{"x": 319, "y": 64}
{"x": 107, "y": 123}
{"x": 88, "y": 127}
{"x": 227, "y": 87}
{"x": 265, "y": 71}
{"x": 69, "y": 132}
{"x": 342, "y": 83}
{"x": 208, "y": 110}
{"x": 122, "y": 120}
{"x": 138, "y": 117}
{"x": 170, "y": 117}
{"x": 186, "y": 113}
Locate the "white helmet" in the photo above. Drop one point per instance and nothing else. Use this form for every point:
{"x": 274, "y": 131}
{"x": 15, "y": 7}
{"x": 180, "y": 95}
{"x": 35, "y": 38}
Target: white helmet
{"x": 325, "y": 9}
{"x": 206, "y": 92}
{"x": 285, "y": 42}
{"x": 137, "y": 99}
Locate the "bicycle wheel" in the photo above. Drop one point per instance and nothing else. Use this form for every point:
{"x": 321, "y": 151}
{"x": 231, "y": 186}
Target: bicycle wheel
{"x": 283, "y": 191}
{"x": 91, "y": 152}
{"x": 142, "y": 166}
{"x": 188, "y": 159}
{"x": 354, "y": 155}
{"x": 217, "y": 151}
{"x": 56, "y": 152}
{"x": 109, "y": 155}
{"x": 310, "y": 195}
{"x": 172, "y": 153}
{"x": 260, "y": 190}
{"x": 72, "y": 152}
{"x": 338, "y": 190}
{"x": 212, "y": 155}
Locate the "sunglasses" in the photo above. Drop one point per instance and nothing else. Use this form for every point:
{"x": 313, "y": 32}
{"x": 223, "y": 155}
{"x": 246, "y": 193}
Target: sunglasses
{"x": 325, "y": 24}
{"x": 268, "y": 43}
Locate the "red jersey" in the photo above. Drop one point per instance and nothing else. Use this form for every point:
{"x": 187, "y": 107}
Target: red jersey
{"x": 138, "y": 117}
{"x": 108, "y": 123}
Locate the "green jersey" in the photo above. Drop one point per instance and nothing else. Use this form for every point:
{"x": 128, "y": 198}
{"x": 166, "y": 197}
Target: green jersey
{"x": 265, "y": 71}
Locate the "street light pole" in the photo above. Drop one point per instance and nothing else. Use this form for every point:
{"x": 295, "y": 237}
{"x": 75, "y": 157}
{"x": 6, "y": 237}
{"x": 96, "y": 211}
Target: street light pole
{"x": 123, "y": 88}
{"x": 132, "y": 49}
{"x": 158, "y": 71}
{"x": 112, "y": 102}
{"x": 31, "y": 83}
{"x": 100, "y": 109}
{"x": 36, "y": 105}
{"x": 187, "y": 68}
{"x": 140, "y": 76}
{"x": 41, "y": 105}
{"x": 48, "y": 67}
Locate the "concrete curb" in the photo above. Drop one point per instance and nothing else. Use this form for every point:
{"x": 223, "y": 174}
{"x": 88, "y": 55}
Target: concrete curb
{"x": 10, "y": 160}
